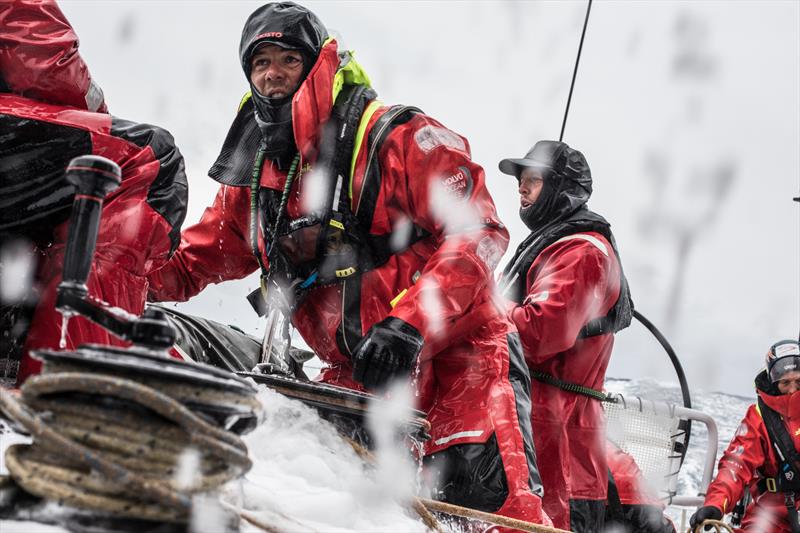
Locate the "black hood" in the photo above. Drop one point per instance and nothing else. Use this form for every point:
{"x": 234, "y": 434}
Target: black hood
{"x": 567, "y": 182}
{"x": 763, "y": 384}
{"x": 292, "y": 26}
{"x": 286, "y": 24}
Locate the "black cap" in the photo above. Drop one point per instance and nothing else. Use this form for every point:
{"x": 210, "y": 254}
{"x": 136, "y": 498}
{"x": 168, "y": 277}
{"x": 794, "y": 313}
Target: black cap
{"x": 545, "y": 155}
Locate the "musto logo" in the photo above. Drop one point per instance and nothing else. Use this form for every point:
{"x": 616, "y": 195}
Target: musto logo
{"x": 459, "y": 184}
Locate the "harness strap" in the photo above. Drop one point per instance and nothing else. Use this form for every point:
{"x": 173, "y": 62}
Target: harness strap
{"x": 365, "y": 205}
{"x": 551, "y": 380}
{"x": 788, "y": 478}
{"x": 351, "y": 329}
{"x": 767, "y": 484}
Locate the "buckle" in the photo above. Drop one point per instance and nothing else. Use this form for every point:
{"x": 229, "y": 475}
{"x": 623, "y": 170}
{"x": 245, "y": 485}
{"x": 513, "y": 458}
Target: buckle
{"x": 771, "y": 485}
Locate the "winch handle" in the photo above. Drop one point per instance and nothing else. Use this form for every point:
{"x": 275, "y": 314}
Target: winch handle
{"x": 93, "y": 177}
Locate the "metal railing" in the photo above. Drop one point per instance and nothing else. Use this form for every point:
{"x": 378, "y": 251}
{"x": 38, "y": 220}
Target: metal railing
{"x": 651, "y": 432}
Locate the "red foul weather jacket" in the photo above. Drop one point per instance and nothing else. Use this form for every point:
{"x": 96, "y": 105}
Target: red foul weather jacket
{"x": 140, "y": 221}
{"x": 442, "y": 284}
{"x": 46, "y": 103}
{"x": 630, "y": 483}
{"x": 571, "y": 282}
{"x": 39, "y": 56}
{"x": 750, "y": 458}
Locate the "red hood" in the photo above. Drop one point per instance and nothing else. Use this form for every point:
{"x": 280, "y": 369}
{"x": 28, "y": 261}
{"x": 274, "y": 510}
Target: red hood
{"x": 787, "y": 405}
{"x": 39, "y": 57}
{"x": 313, "y": 101}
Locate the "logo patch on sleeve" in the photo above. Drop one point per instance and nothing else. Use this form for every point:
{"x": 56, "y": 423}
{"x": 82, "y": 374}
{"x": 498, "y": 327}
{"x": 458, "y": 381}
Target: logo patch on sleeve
{"x": 459, "y": 184}
{"x": 430, "y": 137}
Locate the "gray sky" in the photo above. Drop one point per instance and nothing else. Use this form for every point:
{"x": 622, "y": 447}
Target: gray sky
{"x": 688, "y": 113}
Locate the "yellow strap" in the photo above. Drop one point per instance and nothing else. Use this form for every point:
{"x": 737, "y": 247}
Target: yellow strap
{"x": 397, "y": 298}
{"x": 362, "y": 129}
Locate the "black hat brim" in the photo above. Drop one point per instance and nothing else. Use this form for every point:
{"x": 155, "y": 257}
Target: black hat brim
{"x": 514, "y": 167}
{"x": 276, "y": 42}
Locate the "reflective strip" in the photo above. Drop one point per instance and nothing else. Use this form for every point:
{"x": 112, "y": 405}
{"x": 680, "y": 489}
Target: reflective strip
{"x": 360, "y": 132}
{"x": 336, "y": 224}
{"x": 398, "y": 298}
{"x": 460, "y": 434}
{"x": 588, "y": 238}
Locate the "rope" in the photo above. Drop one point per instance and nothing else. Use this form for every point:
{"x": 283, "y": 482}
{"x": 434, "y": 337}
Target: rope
{"x": 572, "y": 387}
{"x": 416, "y": 503}
{"x": 254, "y": 182}
{"x": 498, "y": 520}
{"x": 113, "y": 444}
{"x": 424, "y": 506}
{"x": 718, "y": 526}
{"x": 257, "y": 521}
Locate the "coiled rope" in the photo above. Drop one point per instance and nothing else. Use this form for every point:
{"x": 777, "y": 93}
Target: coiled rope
{"x": 114, "y": 444}
{"x": 718, "y": 526}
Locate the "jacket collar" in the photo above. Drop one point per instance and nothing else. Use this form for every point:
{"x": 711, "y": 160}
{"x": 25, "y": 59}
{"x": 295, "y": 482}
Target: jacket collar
{"x": 313, "y": 101}
{"x": 787, "y": 405}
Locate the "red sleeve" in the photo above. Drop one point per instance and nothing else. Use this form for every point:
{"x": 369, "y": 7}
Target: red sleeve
{"x": 443, "y": 191}
{"x": 215, "y": 249}
{"x": 574, "y": 281}
{"x": 39, "y": 56}
{"x": 746, "y": 453}
{"x": 631, "y": 484}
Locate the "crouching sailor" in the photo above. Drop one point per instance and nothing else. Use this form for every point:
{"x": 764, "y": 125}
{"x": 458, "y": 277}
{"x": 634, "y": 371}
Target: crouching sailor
{"x": 356, "y": 210}
{"x": 762, "y": 459}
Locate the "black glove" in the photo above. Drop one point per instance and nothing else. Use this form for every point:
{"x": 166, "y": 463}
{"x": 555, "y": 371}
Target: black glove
{"x": 709, "y": 512}
{"x": 388, "y": 350}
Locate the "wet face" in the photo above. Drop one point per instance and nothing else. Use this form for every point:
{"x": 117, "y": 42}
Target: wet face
{"x": 530, "y": 187}
{"x": 789, "y": 382}
{"x": 274, "y": 71}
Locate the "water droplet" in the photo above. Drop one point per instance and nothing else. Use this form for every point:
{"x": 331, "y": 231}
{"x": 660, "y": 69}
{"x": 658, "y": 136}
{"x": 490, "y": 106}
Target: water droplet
{"x": 62, "y": 343}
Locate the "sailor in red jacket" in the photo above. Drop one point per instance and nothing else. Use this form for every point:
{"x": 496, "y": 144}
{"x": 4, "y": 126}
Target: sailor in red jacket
{"x": 568, "y": 298}
{"x": 751, "y": 461}
{"x": 377, "y": 228}
{"x": 632, "y": 504}
{"x": 49, "y": 113}
{"x": 39, "y": 57}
